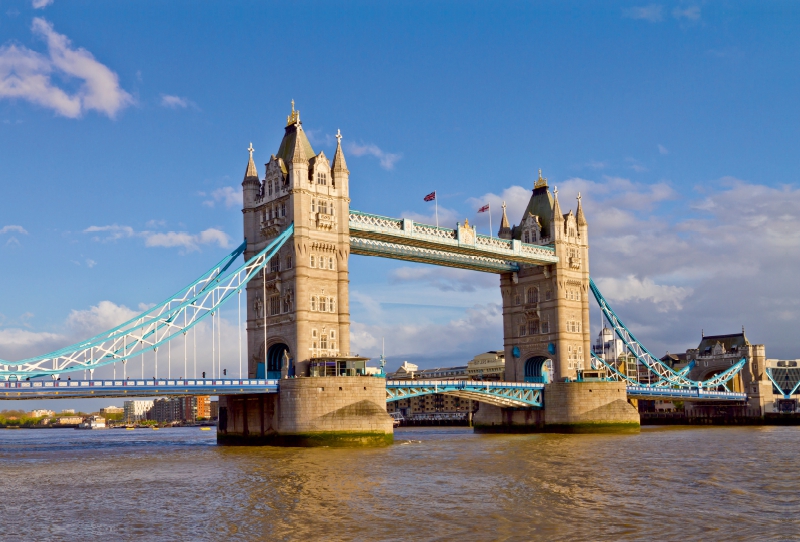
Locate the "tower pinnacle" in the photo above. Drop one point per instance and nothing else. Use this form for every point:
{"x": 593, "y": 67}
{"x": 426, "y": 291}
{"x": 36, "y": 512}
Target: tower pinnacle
{"x": 251, "y": 173}
{"x": 541, "y": 182}
{"x": 339, "y": 163}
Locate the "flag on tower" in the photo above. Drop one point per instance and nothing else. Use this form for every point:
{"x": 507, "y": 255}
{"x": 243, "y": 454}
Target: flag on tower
{"x": 484, "y": 208}
{"x": 431, "y": 196}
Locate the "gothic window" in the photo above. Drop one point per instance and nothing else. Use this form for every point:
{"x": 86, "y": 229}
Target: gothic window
{"x": 274, "y": 305}
{"x": 330, "y": 263}
{"x": 323, "y": 304}
{"x": 313, "y": 261}
{"x": 314, "y": 339}
{"x": 332, "y": 304}
{"x": 547, "y": 295}
{"x": 269, "y": 187}
{"x": 533, "y": 294}
{"x": 323, "y": 207}
{"x": 332, "y": 335}
{"x": 522, "y": 330}
{"x": 287, "y": 304}
{"x": 323, "y": 342}
{"x": 313, "y": 205}
{"x": 517, "y": 298}
{"x": 274, "y": 265}
{"x": 283, "y": 209}
{"x": 546, "y": 327}
{"x": 313, "y": 302}
{"x": 322, "y": 178}
{"x": 289, "y": 261}
{"x": 533, "y": 327}
{"x": 526, "y": 238}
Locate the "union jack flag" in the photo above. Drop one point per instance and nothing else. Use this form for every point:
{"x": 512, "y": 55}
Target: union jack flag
{"x": 431, "y": 196}
{"x": 484, "y": 208}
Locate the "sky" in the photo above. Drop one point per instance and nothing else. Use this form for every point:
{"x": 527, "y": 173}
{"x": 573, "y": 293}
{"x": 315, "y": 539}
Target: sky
{"x": 124, "y": 127}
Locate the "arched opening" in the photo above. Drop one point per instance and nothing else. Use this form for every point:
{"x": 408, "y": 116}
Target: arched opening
{"x": 272, "y": 368}
{"x": 275, "y": 359}
{"x": 734, "y": 384}
{"x": 538, "y": 369}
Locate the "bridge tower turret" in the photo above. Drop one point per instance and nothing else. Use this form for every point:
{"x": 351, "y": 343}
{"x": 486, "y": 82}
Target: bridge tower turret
{"x": 546, "y": 308}
{"x": 298, "y": 319}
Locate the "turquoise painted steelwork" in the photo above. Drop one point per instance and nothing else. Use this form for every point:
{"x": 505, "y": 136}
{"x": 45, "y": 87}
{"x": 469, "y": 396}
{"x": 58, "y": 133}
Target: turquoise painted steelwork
{"x": 666, "y": 376}
{"x": 154, "y": 327}
{"x": 72, "y": 389}
{"x": 503, "y": 394}
{"x": 785, "y": 380}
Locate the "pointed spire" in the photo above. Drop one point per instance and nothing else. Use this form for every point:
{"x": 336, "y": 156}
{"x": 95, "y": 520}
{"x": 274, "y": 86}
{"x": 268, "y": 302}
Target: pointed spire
{"x": 505, "y": 227}
{"x": 541, "y": 182}
{"x": 299, "y": 153}
{"x": 251, "y": 172}
{"x": 580, "y": 217}
{"x": 557, "y": 216}
{"x": 339, "y": 163}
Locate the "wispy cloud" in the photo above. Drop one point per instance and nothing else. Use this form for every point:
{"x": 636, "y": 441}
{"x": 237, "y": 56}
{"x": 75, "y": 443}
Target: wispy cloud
{"x": 10, "y": 228}
{"x": 662, "y": 149}
{"x": 691, "y": 13}
{"x": 40, "y": 4}
{"x": 635, "y": 165}
{"x": 189, "y": 242}
{"x": 652, "y": 13}
{"x": 387, "y": 159}
{"x": 26, "y": 74}
{"x": 176, "y": 102}
{"x": 227, "y": 195}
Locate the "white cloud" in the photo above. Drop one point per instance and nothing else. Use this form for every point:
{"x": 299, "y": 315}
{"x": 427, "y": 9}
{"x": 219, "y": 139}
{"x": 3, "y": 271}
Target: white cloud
{"x": 662, "y": 149}
{"x": 90, "y": 263}
{"x": 630, "y": 288}
{"x": 651, "y": 13}
{"x": 228, "y": 195}
{"x": 691, "y": 13}
{"x": 187, "y": 241}
{"x": 26, "y": 74}
{"x": 635, "y": 165}
{"x": 445, "y": 279}
{"x": 386, "y": 159}
{"x": 18, "y": 229}
{"x": 39, "y": 4}
{"x": 103, "y": 316}
{"x": 175, "y": 102}
{"x": 13, "y": 242}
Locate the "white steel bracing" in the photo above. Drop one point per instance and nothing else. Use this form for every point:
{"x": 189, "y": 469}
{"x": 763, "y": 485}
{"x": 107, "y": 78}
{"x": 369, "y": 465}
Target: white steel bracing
{"x": 503, "y": 394}
{"x": 665, "y": 375}
{"x": 156, "y": 326}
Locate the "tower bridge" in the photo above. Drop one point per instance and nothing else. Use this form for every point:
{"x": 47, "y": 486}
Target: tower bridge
{"x": 299, "y": 383}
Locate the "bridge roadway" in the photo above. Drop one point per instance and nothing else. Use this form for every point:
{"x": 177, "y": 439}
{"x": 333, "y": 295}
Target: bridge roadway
{"x": 505, "y": 394}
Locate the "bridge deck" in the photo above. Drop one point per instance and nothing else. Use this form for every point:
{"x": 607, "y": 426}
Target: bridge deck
{"x": 508, "y": 394}
{"x": 71, "y": 389}
{"x": 403, "y": 239}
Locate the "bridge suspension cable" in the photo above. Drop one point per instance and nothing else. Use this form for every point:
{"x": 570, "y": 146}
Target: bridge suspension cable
{"x": 155, "y": 326}
{"x": 666, "y": 375}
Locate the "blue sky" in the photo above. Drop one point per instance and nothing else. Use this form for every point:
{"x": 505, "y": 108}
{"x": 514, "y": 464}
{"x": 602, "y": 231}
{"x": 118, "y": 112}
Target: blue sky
{"x": 123, "y": 128}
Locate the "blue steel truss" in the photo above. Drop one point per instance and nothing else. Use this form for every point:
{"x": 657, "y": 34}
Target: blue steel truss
{"x": 785, "y": 380}
{"x": 503, "y": 394}
{"x": 665, "y": 375}
{"x": 154, "y": 327}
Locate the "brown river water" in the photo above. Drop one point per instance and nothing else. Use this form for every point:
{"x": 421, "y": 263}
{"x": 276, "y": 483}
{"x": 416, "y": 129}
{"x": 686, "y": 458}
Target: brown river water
{"x": 432, "y": 484}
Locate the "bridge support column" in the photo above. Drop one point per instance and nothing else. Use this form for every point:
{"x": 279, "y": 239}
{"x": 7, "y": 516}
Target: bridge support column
{"x": 315, "y": 411}
{"x": 569, "y": 407}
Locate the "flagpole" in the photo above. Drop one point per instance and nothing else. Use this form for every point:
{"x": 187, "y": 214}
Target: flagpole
{"x": 436, "y": 201}
{"x": 490, "y": 221}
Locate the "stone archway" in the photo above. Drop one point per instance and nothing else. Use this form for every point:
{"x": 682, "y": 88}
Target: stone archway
{"x": 538, "y": 369}
{"x": 275, "y": 359}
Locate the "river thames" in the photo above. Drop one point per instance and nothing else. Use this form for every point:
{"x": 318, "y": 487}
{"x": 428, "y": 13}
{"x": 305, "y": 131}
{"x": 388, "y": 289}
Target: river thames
{"x": 433, "y": 484}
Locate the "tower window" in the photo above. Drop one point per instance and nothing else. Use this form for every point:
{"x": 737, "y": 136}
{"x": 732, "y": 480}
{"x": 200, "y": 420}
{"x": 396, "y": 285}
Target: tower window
{"x": 274, "y": 305}
{"x": 322, "y": 178}
{"x": 289, "y": 261}
{"x": 283, "y": 209}
{"x": 274, "y": 265}
{"x": 323, "y": 207}
{"x": 323, "y": 304}
{"x": 330, "y": 263}
{"x": 323, "y": 342}
{"x": 313, "y": 302}
{"x": 313, "y": 261}
{"x": 332, "y": 334}
{"x": 313, "y": 205}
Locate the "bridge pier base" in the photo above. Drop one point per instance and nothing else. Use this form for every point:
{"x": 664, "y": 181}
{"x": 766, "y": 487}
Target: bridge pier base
{"x": 569, "y": 407}
{"x": 310, "y": 411}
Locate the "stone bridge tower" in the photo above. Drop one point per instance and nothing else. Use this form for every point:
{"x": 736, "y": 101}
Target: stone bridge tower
{"x": 298, "y": 309}
{"x": 298, "y": 314}
{"x": 546, "y": 308}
